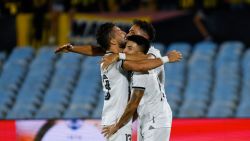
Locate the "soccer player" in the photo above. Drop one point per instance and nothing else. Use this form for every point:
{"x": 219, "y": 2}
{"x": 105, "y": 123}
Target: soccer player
{"x": 115, "y": 81}
{"x": 154, "y": 113}
{"x": 146, "y": 30}
{"x": 139, "y": 27}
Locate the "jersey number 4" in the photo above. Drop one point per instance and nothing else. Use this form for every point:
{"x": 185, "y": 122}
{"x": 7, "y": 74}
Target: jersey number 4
{"x": 107, "y": 87}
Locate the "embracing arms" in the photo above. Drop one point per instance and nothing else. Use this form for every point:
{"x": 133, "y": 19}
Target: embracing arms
{"x": 84, "y": 49}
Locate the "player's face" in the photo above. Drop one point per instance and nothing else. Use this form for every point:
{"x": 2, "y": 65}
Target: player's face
{"x": 119, "y": 35}
{"x": 131, "y": 48}
{"x": 136, "y": 30}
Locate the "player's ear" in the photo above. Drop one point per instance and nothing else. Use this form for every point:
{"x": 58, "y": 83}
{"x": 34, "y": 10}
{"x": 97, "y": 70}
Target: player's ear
{"x": 113, "y": 41}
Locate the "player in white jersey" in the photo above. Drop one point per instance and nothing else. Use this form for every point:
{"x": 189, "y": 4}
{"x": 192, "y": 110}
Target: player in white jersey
{"x": 114, "y": 79}
{"x": 139, "y": 27}
{"x": 155, "y": 116}
{"x": 146, "y": 30}
{"x": 115, "y": 87}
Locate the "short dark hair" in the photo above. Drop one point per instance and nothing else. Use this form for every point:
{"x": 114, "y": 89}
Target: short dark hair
{"x": 140, "y": 41}
{"x": 146, "y": 27}
{"x": 103, "y": 35}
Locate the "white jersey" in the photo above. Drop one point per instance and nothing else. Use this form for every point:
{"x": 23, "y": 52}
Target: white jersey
{"x": 116, "y": 88}
{"x": 153, "y": 106}
{"x": 160, "y": 71}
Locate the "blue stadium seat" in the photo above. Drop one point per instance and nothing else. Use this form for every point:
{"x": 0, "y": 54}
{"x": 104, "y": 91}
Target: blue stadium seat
{"x": 78, "y": 110}
{"x": 19, "y": 114}
{"x": 222, "y": 109}
{"x": 160, "y": 47}
{"x": 206, "y": 47}
{"x": 97, "y": 112}
{"x": 243, "y": 111}
{"x": 21, "y": 55}
{"x": 6, "y": 100}
{"x": 192, "y": 109}
{"x": 32, "y": 98}
{"x": 184, "y": 48}
{"x": 79, "y": 113}
{"x": 48, "y": 113}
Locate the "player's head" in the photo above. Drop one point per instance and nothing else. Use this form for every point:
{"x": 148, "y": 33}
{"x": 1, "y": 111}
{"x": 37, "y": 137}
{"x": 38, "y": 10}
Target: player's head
{"x": 136, "y": 44}
{"x": 142, "y": 28}
{"x": 109, "y": 33}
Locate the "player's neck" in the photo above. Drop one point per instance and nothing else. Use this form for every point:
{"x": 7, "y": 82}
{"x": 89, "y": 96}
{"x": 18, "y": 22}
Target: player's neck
{"x": 114, "y": 49}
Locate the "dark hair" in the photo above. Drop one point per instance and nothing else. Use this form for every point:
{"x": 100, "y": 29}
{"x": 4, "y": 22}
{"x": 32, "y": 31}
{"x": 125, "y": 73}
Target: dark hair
{"x": 140, "y": 41}
{"x": 103, "y": 35}
{"x": 146, "y": 27}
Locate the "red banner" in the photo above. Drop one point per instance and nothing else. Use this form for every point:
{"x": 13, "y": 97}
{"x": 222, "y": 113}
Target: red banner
{"x": 182, "y": 130}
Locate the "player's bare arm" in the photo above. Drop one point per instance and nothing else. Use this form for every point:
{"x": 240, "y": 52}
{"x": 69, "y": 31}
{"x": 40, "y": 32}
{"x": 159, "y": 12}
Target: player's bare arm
{"x": 84, "y": 49}
{"x": 142, "y": 66}
{"x": 145, "y": 65}
{"x": 112, "y": 58}
{"x": 174, "y": 56}
{"x": 135, "y": 116}
{"x": 127, "y": 115}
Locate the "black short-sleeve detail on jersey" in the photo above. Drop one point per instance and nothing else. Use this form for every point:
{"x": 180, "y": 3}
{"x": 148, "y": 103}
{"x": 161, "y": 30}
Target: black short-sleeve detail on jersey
{"x": 152, "y": 54}
{"x": 135, "y": 87}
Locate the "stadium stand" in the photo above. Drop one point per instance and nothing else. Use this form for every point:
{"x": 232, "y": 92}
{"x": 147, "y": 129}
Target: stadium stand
{"x": 175, "y": 76}
{"x": 200, "y": 69}
{"x": 212, "y": 80}
{"x": 86, "y": 92}
{"x": 243, "y": 109}
{"x": 227, "y": 80}
{"x": 30, "y": 96}
{"x": 12, "y": 77}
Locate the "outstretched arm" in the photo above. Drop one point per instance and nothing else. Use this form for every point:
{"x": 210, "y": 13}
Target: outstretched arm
{"x": 173, "y": 56}
{"x": 127, "y": 115}
{"x": 84, "y": 49}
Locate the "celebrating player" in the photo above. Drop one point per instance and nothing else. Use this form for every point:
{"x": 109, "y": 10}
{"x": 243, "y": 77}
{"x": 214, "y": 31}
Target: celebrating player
{"x": 115, "y": 81}
{"x": 154, "y": 113}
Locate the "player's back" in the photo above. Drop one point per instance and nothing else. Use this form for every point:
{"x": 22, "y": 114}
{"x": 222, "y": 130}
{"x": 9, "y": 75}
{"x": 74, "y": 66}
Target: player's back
{"x": 116, "y": 89}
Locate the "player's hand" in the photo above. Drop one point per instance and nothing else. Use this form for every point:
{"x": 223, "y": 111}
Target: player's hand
{"x": 108, "y": 131}
{"x": 174, "y": 56}
{"x": 65, "y": 48}
{"x": 108, "y": 60}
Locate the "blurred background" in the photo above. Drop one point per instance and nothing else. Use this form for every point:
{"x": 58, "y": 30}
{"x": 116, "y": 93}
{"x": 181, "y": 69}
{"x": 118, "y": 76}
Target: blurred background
{"x": 212, "y": 80}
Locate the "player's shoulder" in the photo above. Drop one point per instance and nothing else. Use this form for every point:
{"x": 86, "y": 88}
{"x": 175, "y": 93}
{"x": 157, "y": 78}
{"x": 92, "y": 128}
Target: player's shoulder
{"x": 154, "y": 51}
